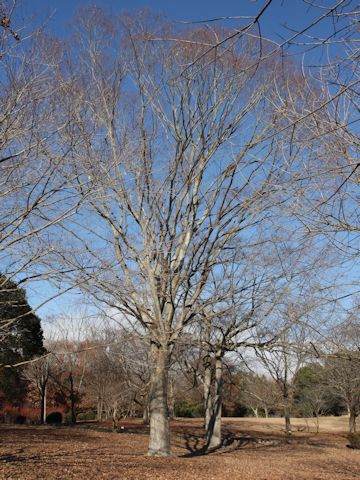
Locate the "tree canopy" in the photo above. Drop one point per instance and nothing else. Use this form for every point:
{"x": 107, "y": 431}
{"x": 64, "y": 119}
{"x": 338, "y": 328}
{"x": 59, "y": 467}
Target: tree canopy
{"x": 21, "y": 338}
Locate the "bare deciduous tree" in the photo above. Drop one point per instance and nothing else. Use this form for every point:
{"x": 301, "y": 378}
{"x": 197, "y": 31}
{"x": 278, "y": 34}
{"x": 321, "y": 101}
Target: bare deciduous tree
{"x": 342, "y": 365}
{"x": 177, "y": 170}
{"x": 38, "y": 373}
{"x": 283, "y": 361}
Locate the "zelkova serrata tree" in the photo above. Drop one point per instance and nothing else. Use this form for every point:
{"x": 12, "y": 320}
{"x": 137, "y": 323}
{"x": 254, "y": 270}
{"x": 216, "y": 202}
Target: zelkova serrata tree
{"x": 177, "y": 171}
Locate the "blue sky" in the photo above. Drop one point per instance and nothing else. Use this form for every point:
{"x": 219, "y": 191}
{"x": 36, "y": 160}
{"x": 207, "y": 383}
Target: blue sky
{"x": 292, "y": 13}
{"x": 58, "y": 15}
{"x": 174, "y": 9}
{"x": 278, "y": 22}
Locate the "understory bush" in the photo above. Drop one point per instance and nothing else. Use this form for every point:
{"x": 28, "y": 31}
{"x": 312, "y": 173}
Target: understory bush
{"x": 89, "y": 415}
{"x": 54, "y": 418}
{"x": 354, "y": 439}
{"x": 189, "y": 410}
{"x": 20, "y": 420}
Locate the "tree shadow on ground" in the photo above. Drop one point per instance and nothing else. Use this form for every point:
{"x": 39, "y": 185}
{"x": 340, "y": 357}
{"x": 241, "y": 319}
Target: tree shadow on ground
{"x": 10, "y": 458}
{"x": 196, "y": 446}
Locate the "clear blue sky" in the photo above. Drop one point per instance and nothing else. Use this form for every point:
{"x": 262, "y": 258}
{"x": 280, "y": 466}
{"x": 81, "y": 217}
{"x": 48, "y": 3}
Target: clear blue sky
{"x": 58, "y": 15}
{"x": 293, "y": 13}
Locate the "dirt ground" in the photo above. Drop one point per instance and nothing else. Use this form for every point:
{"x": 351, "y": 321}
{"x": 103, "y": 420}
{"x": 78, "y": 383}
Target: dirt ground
{"x": 253, "y": 449}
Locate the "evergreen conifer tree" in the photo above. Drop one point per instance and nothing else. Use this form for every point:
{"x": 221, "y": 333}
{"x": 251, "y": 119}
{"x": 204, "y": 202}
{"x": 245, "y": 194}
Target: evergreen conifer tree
{"x": 21, "y": 339}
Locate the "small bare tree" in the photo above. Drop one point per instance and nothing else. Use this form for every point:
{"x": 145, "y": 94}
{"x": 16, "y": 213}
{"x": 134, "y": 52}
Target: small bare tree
{"x": 342, "y": 365}
{"x": 283, "y": 361}
{"x": 38, "y": 373}
{"x": 259, "y": 393}
{"x": 118, "y": 373}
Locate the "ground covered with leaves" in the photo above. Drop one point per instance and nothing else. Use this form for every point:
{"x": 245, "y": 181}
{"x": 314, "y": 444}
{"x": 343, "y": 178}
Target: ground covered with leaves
{"x": 252, "y": 449}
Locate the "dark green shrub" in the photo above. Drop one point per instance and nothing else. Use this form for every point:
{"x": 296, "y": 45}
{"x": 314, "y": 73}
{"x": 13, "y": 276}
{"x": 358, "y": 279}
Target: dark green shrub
{"x": 89, "y": 415}
{"x": 239, "y": 411}
{"x": 189, "y": 410}
{"x": 54, "y": 418}
{"x": 20, "y": 420}
{"x": 354, "y": 439}
{"x": 68, "y": 418}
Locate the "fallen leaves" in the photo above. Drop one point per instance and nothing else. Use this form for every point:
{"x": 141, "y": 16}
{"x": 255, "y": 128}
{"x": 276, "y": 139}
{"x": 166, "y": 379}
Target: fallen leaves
{"x": 91, "y": 452}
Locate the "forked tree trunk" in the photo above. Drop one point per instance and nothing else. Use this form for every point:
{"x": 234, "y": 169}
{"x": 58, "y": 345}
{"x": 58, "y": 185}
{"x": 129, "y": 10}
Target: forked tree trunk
{"x": 214, "y": 427}
{"x": 159, "y": 444}
{"x": 255, "y": 411}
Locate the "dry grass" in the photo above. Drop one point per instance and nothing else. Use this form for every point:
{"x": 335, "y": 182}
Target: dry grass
{"x": 326, "y": 424}
{"x": 253, "y": 449}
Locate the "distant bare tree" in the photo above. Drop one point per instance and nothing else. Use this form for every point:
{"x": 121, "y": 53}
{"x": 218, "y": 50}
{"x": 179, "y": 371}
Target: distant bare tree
{"x": 69, "y": 361}
{"x": 342, "y": 373}
{"x": 117, "y": 378}
{"x": 38, "y": 373}
{"x": 283, "y": 361}
{"x": 260, "y": 394}
{"x": 342, "y": 365}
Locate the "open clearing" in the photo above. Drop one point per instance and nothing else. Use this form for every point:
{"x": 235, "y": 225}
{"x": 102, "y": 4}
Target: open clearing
{"x": 253, "y": 449}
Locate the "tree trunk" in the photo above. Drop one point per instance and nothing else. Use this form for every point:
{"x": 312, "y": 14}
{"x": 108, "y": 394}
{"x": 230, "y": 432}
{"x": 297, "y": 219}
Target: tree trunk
{"x": 214, "y": 428}
{"x": 255, "y": 411}
{"x": 72, "y": 400}
{"x": 287, "y": 409}
{"x": 73, "y": 411}
{"x": 43, "y": 405}
{"x": 146, "y": 414}
{"x": 266, "y": 412}
{"x": 114, "y": 417}
{"x": 317, "y": 423}
{"x": 288, "y": 429}
{"x": 352, "y": 421}
{"x": 99, "y": 409}
{"x": 207, "y": 391}
{"x": 171, "y": 400}
{"x": 159, "y": 444}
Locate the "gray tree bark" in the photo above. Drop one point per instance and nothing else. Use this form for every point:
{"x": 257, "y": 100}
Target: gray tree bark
{"x": 214, "y": 427}
{"x": 287, "y": 410}
{"x": 352, "y": 420}
{"x": 146, "y": 414}
{"x": 288, "y": 429}
{"x": 159, "y": 444}
{"x": 207, "y": 391}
